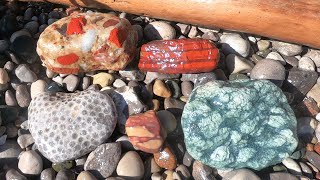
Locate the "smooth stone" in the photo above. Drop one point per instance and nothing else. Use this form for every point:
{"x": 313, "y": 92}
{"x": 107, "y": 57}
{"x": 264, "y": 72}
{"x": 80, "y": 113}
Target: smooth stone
{"x": 79, "y": 121}
{"x": 307, "y": 107}
{"x": 9, "y": 152}
{"x": 187, "y": 159}
{"x": 32, "y": 27}
{"x": 287, "y": 49}
{"x": 263, "y": 54}
{"x": 202, "y": 172}
{"x": 277, "y": 57}
{"x": 270, "y": 70}
{"x": 211, "y": 29}
{"x": 86, "y": 81}
{"x": 103, "y": 79}
{"x": 3, "y": 139}
{"x": 9, "y": 66}
{"x": 186, "y": 88}
{"x": 24, "y": 73}
{"x": 17, "y": 34}
{"x": 10, "y": 98}
{"x": 174, "y": 87}
{"x": 241, "y": 174}
{"x": 25, "y": 48}
{"x": 51, "y": 21}
{"x": 172, "y": 103}
{"x": 151, "y": 76}
{"x": 305, "y": 169}
{"x": 86, "y": 175}
{"x": 235, "y": 44}
{"x": 65, "y": 175}
{"x": 183, "y": 28}
{"x": 300, "y": 83}
{"x": 38, "y": 87}
{"x": 314, "y": 92}
{"x": 58, "y": 79}
{"x": 305, "y": 128}
{"x": 156, "y": 176}
{"x": 199, "y": 79}
{"x": 30, "y": 163}
{"x": 313, "y": 54}
{"x": 237, "y": 64}
{"x": 13, "y": 174}
{"x": 281, "y": 176}
{"x": 42, "y": 28}
{"x": 8, "y": 24}
{"x": 306, "y": 64}
{"x": 114, "y": 178}
{"x": 160, "y": 89}
{"x": 4, "y": 87}
{"x": 213, "y": 36}
{"x": 103, "y": 160}
{"x": 167, "y": 120}
{"x": 237, "y": 77}
{"x": 25, "y": 140}
{"x": 166, "y": 158}
{"x": 132, "y": 75}
{"x": 156, "y": 105}
{"x": 4, "y": 77}
{"x": 50, "y": 74}
{"x": 159, "y": 30}
{"x": 54, "y": 87}
{"x": 11, "y": 130}
{"x": 22, "y": 95}
{"x": 48, "y": 174}
{"x": 263, "y": 45}
{"x": 139, "y": 30}
{"x": 54, "y": 15}
{"x": 63, "y": 166}
{"x": 71, "y": 82}
{"x": 293, "y": 61}
{"x": 224, "y": 151}
{"x": 313, "y": 158}
{"x": 4, "y": 46}
{"x": 169, "y": 175}
{"x": 317, "y": 131}
{"x": 118, "y": 83}
{"x": 28, "y": 14}
{"x": 292, "y": 166}
{"x": 125, "y": 143}
{"x": 130, "y": 166}
{"x": 150, "y": 167}
{"x": 183, "y": 172}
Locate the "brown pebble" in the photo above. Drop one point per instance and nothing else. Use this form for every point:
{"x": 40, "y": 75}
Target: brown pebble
{"x": 160, "y": 89}
{"x": 310, "y": 147}
{"x": 316, "y": 148}
{"x": 156, "y": 104}
{"x": 166, "y": 159}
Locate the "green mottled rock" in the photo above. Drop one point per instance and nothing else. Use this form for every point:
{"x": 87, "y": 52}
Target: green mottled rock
{"x": 237, "y": 124}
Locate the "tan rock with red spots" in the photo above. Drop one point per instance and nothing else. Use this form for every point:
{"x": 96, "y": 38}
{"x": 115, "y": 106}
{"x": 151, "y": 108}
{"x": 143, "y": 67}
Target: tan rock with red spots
{"x": 166, "y": 158}
{"x": 144, "y": 132}
{"x": 87, "y": 42}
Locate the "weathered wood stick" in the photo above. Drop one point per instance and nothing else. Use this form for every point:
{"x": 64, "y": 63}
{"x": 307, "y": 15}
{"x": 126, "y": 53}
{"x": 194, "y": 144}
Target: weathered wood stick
{"x": 295, "y": 21}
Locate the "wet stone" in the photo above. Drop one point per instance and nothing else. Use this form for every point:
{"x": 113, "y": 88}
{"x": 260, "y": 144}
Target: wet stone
{"x": 48, "y": 174}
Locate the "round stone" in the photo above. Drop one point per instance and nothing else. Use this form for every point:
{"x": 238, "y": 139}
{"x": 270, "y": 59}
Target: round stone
{"x": 30, "y": 163}
{"x": 24, "y": 73}
{"x": 22, "y": 95}
{"x": 32, "y": 27}
{"x": 17, "y": 34}
{"x": 287, "y": 49}
{"x": 159, "y": 30}
{"x": 48, "y": 174}
{"x": 160, "y": 89}
{"x": 37, "y": 88}
{"x": 235, "y": 44}
{"x": 71, "y": 82}
{"x": 306, "y": 64}
{"x": 4, "y": 77}
{"x": 86, "y": 175}
{"x": 167, "y": 120}
{"x": 241, "y": 174}
{"x": 131, "y": 166}
{"x": 14, "y": 175}
{"x": 237, "y": 64}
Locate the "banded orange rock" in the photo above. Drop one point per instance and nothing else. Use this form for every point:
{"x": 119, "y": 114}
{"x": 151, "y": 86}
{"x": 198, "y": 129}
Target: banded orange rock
{"x": 179, "y": 56}
{"x": 85, "y": 42}
{"x": 144, "y": 131}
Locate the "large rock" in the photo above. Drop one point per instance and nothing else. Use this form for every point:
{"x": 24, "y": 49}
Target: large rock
{"x": 240, "y": 124}
{"x": 66, "y": 126}
{"x": 87, "y": 42}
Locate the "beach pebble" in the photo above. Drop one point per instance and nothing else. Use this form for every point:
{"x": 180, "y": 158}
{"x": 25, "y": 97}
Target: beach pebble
{"x": 277, "y": 57}
{"x": 103, "y": 160}
{"x": 25, "y": 74}
{"x": 22, "y": 95}
{"x": 139, "y": 30}
{"x": 306, "y": 64}
{"x": 183, "y": 28}
{"x": 125, "y": 143}
{"x": 167, "y": 120}
{"x": 4, "y": 45}
{"x": 10, "y": 99}
{"x": 71, "y": 82}
{"x": 30, "y": 162}
{"x": 65, "y": 175}
{"x": 130, "y": 166}
{"x": 166, "y": 158}
{"x": 237, "y": 64}
{"x": 38, "y": 87}
{"x": 156, "y": 176}
{"x": 103, "y": 79}
{"x": 159, "y": 30}
{"x": 213, "y": 36}
{"x": 202, "y": 172}
{"x": 183, "y": 172}
{"x": 241, "y": 174}
{"x": 199, "y": 79}
{"x": 313, "y": 158}
{"x": 132, "y": 75}
{"x": 313, "y": 54}
{"x": 172, "y": 103}
{"x": 235, "y": 44}
{"x": 160, "y": 89}
{"x": 282, "y": 176}
{"x": 48, "y": 174}
{"x": 169, "y": 175}
{"x": 32, "y": 27}
{"x": 118, "y": 83}
{"x": 9, "y": 66}
{"x": 287, "y": 49}
{"x": 263, "y": 45}
{"x": 305, "y": 128}
{"x": 17, "y": 34}
{"x": 3, "y": 139}
{"x": 292, "y": 166}
{"x": 28, "y": 14}
{"x": 11, "y": 130}
{"x": 25, "y": 140}
{"x": 186, "y": 88}
{"x": 269, "y": 69}
{"x": 306, "y": 169}
{"x": 151, "y": 76}
{"x": 13, "y": 174}
{"x": 86, "y": 175}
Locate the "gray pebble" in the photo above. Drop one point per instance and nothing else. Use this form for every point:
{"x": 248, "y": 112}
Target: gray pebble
{"x": 54, "y": 15}
{"x": 314, "y": 55}
{"x": 86, "y": 81}
{"x": 13, "y": 174}
{"x": 23, "y": 131}
{"x": 32, "y": 27}
{"x": 202, "y": 172}
{"x": 34, "y": 18}
{"x": 132, "y": 75}
{"x": 174, "y": 87}
{"x": 172, "y": 103}
{"x": 30, "y": 162}
{"x": 3, "y": 139}
{"x": 119, "y": 83}
{"x": 24, "y": 73}
{"x": 4, "y": 77}
{"x": 276, "y": 56}
{"x": 4, "y": 45}
{"x": 2, "y": 130}
{"x": 23, "y": 96}
{"x": 306, "y": 64}
{"x": 43, "y": 18}
{"x": 9, "y": 66}
{"x": 28, "y": 14}
{"x": 48, "y": 174}
{"x": 235, "y": 44}
{"x": 25, "y": 140}
{"x": 199, "y": 79}
{"x": 50, "y": 21}
{"x": 71, "y": 82}
{"x": 65, "y": 175}
{"x": 293, "y": 61}
{"x": 187, "y": 159}
{"x": 11, "y": 130}
{"x": 17, "y": 34}
{"x": 186, "y": 88}
{"x": 42, "y": 28}
{"x": 287, "y": 49}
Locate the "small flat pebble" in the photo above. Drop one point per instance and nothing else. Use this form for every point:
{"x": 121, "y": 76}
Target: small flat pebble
{"x": 119, "y": 83}
{"x": 187, "y": 159}
{"x": 287, "y": 49}
{"x": 306, "y": 64}
{"x": 167, "y": 120}
{"x": 38, "y": 87}
{"x": 277, "y": 57}
{"x": 30, "y": 163}
{"x": 269, "y": 69}
{"x": 10, "y": 98}
{"x": 159, "y": 30}
{"x": 235, "y": 44}
{"x": 86, "y": 175}
{"x": 282, "y": 176}
{"x": 292, "y": 166}
{"x": 25, "y": 140}
{"x": 48, "y": 174}
{"x": 13, "y": 174}
{"x": 103, "y": 79}
{"x": 202, "y": 172}
{"x": 237, "y": 64}
{"x": 263, "y": 45}
{"x": 71, "y": 82}
{"x": 160, "y": 89}
{"x": 22, "y": 95}
{"x": 156, "y": 105}
{"x": 24, "y": 73}
{"x": 130, "y": 166}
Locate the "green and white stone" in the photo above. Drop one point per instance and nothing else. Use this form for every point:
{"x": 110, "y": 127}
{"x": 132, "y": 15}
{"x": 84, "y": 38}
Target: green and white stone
{"x": 237, "y": 124}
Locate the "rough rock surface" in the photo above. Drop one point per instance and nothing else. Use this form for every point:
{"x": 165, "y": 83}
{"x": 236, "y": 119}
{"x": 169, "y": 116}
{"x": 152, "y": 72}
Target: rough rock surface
{"x": 236, "y": 123}
{"x": 69, "y": 125}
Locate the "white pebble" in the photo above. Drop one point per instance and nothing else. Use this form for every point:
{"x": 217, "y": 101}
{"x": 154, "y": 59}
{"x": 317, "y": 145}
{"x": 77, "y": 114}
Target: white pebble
{"x": 306, "y": 64}
{"x": 235, "y": 44}
{"x": 276, "y": 56}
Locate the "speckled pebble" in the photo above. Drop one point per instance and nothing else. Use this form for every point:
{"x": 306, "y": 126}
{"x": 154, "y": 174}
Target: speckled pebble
{"x": 23, "y": 96}
{"x": 287, "y": 49}
{"x": 159, "y": 30}
{"x": 30, "y": 162}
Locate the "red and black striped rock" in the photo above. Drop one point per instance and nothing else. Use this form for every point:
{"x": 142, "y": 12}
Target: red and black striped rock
{"x": 144, "y": 132}
{"x": 87, "y": 42}
{"x": 179, "y": 56}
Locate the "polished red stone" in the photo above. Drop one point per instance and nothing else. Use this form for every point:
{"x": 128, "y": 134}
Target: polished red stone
{"x": 166, "y": 158}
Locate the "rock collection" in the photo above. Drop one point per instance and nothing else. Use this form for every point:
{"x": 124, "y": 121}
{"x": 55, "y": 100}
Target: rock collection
{"x": 125, "y": 116}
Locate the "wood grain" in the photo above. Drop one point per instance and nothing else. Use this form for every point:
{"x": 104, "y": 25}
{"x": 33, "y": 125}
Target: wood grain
{"x": 295, "y": 21}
